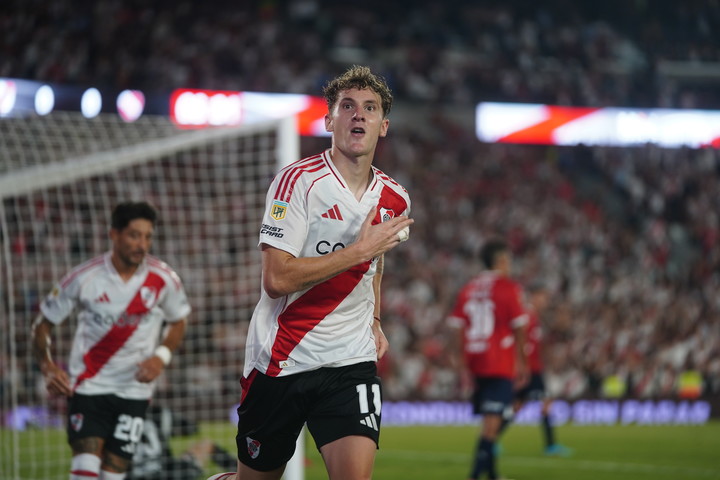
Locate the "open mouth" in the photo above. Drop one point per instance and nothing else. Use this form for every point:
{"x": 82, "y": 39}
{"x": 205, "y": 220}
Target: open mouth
{"x": 357, "y": 130}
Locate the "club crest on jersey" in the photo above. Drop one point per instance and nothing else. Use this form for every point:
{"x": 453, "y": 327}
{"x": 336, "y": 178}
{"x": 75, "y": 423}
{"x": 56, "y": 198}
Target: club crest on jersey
{"x": 386, "y": 214}
{"x": 278, "y": 209}
{"x": 253, "y": 447}
{"x": 76, "y": 421}
{"x": 148, "y": 295}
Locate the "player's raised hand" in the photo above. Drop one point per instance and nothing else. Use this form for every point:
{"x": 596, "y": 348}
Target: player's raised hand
{"x": 378, "y": 239}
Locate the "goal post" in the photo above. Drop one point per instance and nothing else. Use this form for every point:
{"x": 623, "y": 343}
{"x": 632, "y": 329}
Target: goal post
{"x": 60, "y": 176}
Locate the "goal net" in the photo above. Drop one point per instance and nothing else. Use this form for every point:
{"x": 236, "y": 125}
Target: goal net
{"x": 60, "y": 177}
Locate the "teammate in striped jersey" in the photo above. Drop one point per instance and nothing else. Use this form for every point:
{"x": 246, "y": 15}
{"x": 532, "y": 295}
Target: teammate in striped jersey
{"x": 122, "y": 299}
{"x": 315, "y": 334}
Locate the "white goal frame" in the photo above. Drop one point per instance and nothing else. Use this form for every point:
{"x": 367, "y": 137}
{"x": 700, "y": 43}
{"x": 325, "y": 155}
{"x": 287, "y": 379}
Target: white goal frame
{"x": 16, "y": 182}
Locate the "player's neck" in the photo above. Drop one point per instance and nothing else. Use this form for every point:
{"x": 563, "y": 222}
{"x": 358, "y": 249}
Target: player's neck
{"x": 124, "y": 269}
{"x": 356, "y": 171}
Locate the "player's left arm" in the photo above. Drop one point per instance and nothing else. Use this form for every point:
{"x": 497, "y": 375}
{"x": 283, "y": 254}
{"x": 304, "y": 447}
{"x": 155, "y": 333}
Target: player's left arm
{"x": 152, "y": 367}
{"x": 381, "y": 342}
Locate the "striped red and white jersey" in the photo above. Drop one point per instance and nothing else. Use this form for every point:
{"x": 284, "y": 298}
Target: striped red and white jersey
{"x": 118, "y": 323}
{"x": 311, "y": 212}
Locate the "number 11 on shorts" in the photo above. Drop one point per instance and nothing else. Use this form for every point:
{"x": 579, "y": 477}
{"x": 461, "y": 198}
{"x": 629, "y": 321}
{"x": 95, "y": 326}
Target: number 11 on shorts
{"x": 363, "y": 398}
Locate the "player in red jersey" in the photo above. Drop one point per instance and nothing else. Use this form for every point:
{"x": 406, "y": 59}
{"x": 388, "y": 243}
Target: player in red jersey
{"x": 122, "y": 298}
{"x": 315, "y": 334}
{"x": 492, "y": 321}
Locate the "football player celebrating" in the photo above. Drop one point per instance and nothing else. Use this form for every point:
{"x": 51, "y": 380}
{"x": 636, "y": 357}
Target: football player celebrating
{"x": 315, "y": 335}
{"x": 123, "y": 298}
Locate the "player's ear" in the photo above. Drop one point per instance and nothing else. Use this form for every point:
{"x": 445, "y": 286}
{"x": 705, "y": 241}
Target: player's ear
{"x": 112, "y": 234}
{"x": 384, "y": 127}
{"x": 328, "y": 123}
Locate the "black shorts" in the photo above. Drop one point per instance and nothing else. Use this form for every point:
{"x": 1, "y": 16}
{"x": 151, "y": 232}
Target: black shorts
{"x": 335, "y": 403}
{"x": 116, "y": 420}
{"x": 493, "y": 396}
{"x": 534, "y": 390}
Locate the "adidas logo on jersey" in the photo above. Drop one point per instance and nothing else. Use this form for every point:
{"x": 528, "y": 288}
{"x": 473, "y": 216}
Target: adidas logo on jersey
{"x": 103, "y": 298}
{"x": 370, "y": 421}
{"x": 333, "y": 213}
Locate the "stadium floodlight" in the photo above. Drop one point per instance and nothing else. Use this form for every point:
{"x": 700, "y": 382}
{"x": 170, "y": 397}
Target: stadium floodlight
{"x": 91, "y": 103}
{"x": 130, "y": 104}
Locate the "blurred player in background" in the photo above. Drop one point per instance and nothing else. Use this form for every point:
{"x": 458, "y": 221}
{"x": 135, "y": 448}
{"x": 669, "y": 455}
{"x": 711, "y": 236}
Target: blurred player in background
{"x": 491, "y": 321}
{"x": 315, "y": 335}
{"x": 154, "y": 460}
{"x": 538, "y": 298}
{"x": 123, "y": 298}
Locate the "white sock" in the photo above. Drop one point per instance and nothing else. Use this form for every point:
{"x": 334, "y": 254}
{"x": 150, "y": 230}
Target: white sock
{"x": 105, "y": 475}
{"x": 222, "y": 476}
{"x": 85, "y": 466}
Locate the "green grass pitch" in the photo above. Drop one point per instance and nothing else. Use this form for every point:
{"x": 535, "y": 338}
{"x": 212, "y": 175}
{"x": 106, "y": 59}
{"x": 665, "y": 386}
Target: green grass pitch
{"x": 443, "y": 453}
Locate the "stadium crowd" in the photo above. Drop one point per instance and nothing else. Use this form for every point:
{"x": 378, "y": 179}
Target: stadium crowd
{"x": 625, "y": 238}
{"x": 556, "y": 51}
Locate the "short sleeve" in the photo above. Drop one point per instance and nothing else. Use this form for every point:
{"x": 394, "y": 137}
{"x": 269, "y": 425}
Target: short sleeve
{"x": 175, "y": 305}
{"x": 285, "y": 223}
{"x": 60, "y": 302}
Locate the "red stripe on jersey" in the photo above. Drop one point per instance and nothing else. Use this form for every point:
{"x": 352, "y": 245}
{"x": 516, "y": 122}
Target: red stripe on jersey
{"x": 287, "y": 172}
{"x": 246, "y": 383}
{"x": 306, "y": 312}
{"x": 291, "y": 174}
{"x": 115, "y": 338}
{"x": 310, "y": 169}
{"x": 391, "y": 199}
{"x": 382, "y": 176}
{"x": 160, "y": 265}
{"x": 337, "y": 212}
{"x": 82, "y": 268}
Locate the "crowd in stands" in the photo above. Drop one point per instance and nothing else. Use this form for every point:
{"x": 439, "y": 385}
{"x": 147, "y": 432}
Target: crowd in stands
{"x": 626, "y": 239}
{"x": 556, "y": 51}
{"x": 634, "y": 292}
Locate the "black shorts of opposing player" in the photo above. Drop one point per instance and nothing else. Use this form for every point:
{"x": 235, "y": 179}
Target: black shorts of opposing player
{"x": 117, "y": 420}
{"x": 335, "y": 403}
{"x": 534, "y": 390}
{"x": 492, "y": 396}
